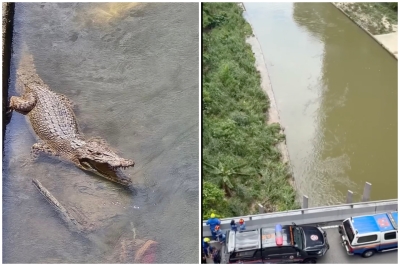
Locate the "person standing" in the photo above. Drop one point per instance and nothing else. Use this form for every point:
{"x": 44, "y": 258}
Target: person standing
{"x": 220, "y": 236}
{"x": 233, "y": 225}
{"x": 242, "y": 225}
{"x": 206, "y": 246}
{"x": 213, "y": 222}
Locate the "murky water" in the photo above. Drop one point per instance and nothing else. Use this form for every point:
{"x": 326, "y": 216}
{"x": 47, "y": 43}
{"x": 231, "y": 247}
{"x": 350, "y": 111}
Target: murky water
{"x": 336, "y": 91}
{"x": 132, "y": 71}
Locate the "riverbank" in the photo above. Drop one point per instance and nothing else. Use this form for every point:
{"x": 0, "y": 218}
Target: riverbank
{"x": 266, "y": 86}
{"x": 242, "y": 165}
{"x": 379, "y": 20}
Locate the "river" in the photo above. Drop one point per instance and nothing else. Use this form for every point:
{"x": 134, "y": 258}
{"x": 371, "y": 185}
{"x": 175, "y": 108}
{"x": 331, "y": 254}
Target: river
{"x": 336, "y": 92}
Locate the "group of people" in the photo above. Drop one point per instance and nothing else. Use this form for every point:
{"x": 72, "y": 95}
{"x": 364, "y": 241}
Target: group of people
{"x": 234, "y": 225}
{"x": 218, "y": 235}
{"x": 215, "y": 227}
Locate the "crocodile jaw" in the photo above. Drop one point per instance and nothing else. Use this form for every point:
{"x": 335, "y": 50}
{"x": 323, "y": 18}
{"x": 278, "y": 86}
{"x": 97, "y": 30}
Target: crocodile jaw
{"x": 105, "y": 170}
{"x": 95, "y": 155}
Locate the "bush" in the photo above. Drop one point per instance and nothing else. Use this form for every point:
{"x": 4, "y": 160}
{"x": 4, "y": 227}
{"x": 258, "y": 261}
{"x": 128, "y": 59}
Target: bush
{"x": 393, "y": 6}
{"x": 212, "y": 196}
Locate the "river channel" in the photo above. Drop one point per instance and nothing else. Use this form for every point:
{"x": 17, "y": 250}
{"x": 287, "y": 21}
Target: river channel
{"x": 336, "y": 92}
{"x": 132, "y": 72}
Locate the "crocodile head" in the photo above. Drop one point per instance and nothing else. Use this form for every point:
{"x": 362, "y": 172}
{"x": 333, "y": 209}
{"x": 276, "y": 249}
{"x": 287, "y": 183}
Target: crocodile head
{"x": 96, "y": 156}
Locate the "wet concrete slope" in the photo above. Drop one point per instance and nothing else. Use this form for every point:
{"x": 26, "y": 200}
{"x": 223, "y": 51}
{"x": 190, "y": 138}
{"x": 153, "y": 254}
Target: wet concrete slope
{"x": 132, "y": 72}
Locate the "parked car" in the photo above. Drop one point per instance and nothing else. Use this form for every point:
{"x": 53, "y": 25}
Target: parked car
{"x": 279, "y": 245}
{"x": 369, "y": 234}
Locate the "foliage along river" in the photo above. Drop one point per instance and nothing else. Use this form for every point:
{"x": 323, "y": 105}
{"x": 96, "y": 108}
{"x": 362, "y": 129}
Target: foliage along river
{"x": 132, "y": 72}
{"x": 336, "y": 91}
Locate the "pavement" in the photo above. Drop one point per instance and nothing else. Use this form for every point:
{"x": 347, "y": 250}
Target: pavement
{"x": 337, "y": 253}
{"x": 389, "y": 41}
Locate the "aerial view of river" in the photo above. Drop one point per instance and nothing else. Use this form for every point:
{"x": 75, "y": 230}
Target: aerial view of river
{"x": 336, "y": 91}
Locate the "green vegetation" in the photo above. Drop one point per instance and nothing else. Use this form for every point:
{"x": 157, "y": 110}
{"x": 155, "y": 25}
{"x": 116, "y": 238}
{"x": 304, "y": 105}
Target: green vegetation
{"x": 241, "y": 166}
{"x": 377, "y": 18}
{"x": 392, "y": 5}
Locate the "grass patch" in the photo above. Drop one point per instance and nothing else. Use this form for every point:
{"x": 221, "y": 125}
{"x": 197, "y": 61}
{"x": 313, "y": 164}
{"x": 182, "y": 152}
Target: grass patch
{"x": 241, "y": 165}
{"x": 377, "y": 18}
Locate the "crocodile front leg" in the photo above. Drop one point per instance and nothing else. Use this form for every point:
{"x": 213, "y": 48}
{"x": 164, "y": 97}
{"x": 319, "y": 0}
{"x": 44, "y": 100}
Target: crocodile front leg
{"x": 39, "y": 147}
{"x": 23, "y": 104}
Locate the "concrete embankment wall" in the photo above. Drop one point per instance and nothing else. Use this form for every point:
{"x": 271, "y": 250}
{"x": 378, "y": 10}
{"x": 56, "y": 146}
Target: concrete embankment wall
{"x": 383, "y": 40}
{"x": 8, "y": 17}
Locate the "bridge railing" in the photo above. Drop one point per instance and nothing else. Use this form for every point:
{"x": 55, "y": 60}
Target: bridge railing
{"x": 317, "y": 215}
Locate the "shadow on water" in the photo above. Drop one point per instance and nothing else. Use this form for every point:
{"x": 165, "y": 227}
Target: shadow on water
{"x": 132, "y": 72}
{"x": 336, "y": 90}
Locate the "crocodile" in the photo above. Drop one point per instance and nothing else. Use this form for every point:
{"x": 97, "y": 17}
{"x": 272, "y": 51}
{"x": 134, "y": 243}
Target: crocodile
{"x": 53, "y": 120}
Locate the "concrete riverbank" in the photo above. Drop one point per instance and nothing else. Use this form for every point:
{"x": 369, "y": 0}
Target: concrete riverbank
{"x": 7, "y": 15}
{"x": 388, "y": 40}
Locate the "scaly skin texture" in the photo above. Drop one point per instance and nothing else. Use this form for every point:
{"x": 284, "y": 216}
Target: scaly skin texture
{"x": 54, "y": 122}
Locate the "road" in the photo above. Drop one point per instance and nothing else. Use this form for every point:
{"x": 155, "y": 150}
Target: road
{"x": 337, "y": 254}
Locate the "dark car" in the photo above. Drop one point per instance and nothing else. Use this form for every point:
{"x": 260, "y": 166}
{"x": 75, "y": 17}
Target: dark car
{"x": 279, "y": 245}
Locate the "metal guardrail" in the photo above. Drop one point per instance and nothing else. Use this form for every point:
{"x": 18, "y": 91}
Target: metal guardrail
{"x": 311, "y": 215}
